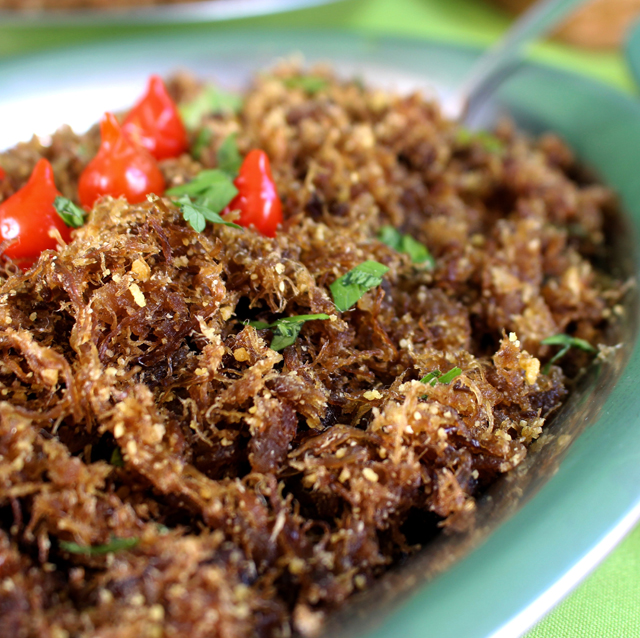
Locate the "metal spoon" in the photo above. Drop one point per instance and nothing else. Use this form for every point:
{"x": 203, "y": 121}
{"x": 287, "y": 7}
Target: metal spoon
{"x": 499, "y": 61}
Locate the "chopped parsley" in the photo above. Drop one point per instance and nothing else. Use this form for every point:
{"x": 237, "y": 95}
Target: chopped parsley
{"x": 212, "y": 185}
{"x": 212, "y": 190}
{"x": 310, "y": 84}
{"x": 116, "y": 545}
{"x": 418, "y": 252}
{"x": 352, "y": 285}
{"x": 202, "y": 141}
{"x": 437, "y": 377}
{"x": 567, "y": 343}
{"x": 287, "y": 329}
{"x": 116, "y": 458}
{"x": 197, "y": 214}
{"x": 210, "y": 100}
{"x": 71, "y": 214}
{"x": 490, "y": 142}
{"x": 229, "y": 158}
{"x": 431, "y": 378}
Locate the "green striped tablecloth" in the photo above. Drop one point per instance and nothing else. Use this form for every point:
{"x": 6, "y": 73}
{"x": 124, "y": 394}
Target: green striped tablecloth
{"x": 607, "y": 604}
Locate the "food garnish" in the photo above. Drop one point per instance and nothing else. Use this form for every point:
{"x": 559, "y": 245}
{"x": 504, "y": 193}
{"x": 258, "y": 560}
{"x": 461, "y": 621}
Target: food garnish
{"x": 287, "y": 329}
{"x": 257, "y": 198}
{"x": 71, "y": 214}
{"x": 202, "y": 141}
{"x": 120, "y": 168}
{"x": 567, "y": 343}
{"x": 210, "y": 100}
{"x": 115, "y": 545}
{"x": 349, "y": 288}
{"x": 418, "y": 252}
{"x": 28, "y": 217}
{"x": 435, "y": 376}
{"x": 310, "y": 84}
{"x": 198, "y": 213}
{"x": 205, "y": 197}
{"x": 116, "y": 458}
{"x": 228, "y": 156}
{"x": 211, "y": 187}
{"x": 487, "y": 140}
{"x": 155, "y": 124}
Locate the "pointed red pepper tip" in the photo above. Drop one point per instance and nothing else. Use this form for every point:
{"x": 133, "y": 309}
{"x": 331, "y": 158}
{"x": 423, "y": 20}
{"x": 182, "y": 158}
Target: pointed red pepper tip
{"x": 28, "y": 217}
{"x": 110, "y": 130}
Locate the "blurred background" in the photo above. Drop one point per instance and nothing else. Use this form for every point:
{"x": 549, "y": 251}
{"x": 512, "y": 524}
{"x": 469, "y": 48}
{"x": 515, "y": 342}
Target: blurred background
{"x": 591, "y": 42}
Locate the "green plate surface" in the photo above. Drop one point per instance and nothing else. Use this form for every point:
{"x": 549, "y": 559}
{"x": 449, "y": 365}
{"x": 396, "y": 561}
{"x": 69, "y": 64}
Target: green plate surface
{"x": 544, "y": 526}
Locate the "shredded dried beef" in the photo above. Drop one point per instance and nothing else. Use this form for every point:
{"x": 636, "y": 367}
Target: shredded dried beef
{"x": 265, "y": 487}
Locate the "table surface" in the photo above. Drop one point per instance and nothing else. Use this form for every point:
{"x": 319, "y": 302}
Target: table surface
{"x": 607, "y": 604}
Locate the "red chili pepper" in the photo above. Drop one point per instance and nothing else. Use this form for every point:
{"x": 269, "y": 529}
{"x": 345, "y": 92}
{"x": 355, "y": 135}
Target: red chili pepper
{"x": 121, "y": 167}
{"x": 154, "y": 122}
{"x": 2, "y": 173}
{"x": 27, "y": 217}
{"x": 257, "y": 198}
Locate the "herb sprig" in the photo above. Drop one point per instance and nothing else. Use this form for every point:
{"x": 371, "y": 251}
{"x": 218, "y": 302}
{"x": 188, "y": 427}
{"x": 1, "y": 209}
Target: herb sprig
{"x": 116, "y": 458}
{"x": 310, "y": 84}
{"x": 490, "y": 142}
{"x": 210, "y": 100}
{"x": 71, "y": 214}
{"x": 567, "y": 343}
{"x": 349, "y": 288}
{"x": 286, "y": 329}
{"x": 202, "y": 141}
{"x": 213, "y": 185}
{"x": 211, "y": 191}
{"x": 228, "y": 156}
{"x": 435, "y": 376}
{"x": 197, "y": 214}
{"x": 418, "y": 252}
{"x": 345, "y": 291}
{"x": 116, "y": 545}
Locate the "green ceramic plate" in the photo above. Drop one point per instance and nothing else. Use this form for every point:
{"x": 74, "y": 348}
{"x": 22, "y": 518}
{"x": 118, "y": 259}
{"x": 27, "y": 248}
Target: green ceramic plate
{"x": 545, "y": 525}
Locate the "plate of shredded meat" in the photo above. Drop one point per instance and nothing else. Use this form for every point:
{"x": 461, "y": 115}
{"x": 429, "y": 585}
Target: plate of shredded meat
{"x": 286, "y": 352}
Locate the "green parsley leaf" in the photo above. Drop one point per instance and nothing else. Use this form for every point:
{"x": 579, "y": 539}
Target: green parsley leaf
{"x": 351, "y": 286}
{"x": 285, "y": 335}
{"x": 212, "y": 191}
{"x": 567, "y": 343}
{"x": 210, "y": 100}
{"x": 259, "y": 325}
{"x": 116, "y": 545}
{"x": 202, "y": 141}
{"x": 431, "y": 378}
{"x": 197, "y": 214}
{"x": 418, "y": 252}
{"x": 286, "y": 329}
{"x": 437, "y": 377}
{"x": 448, "y": 377}
{"x": 391, "y": 237}
{"x": 116, "y": 458}
{"x": 71, "y": 214}
{"x": 490, "y": 142}
{"x": 229, "y": 158}
{"x": 310, "y": 84}
{"x": 211, "y": 184}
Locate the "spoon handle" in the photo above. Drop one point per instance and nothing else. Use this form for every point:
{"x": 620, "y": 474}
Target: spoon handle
{"x": 492, "y": 67}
